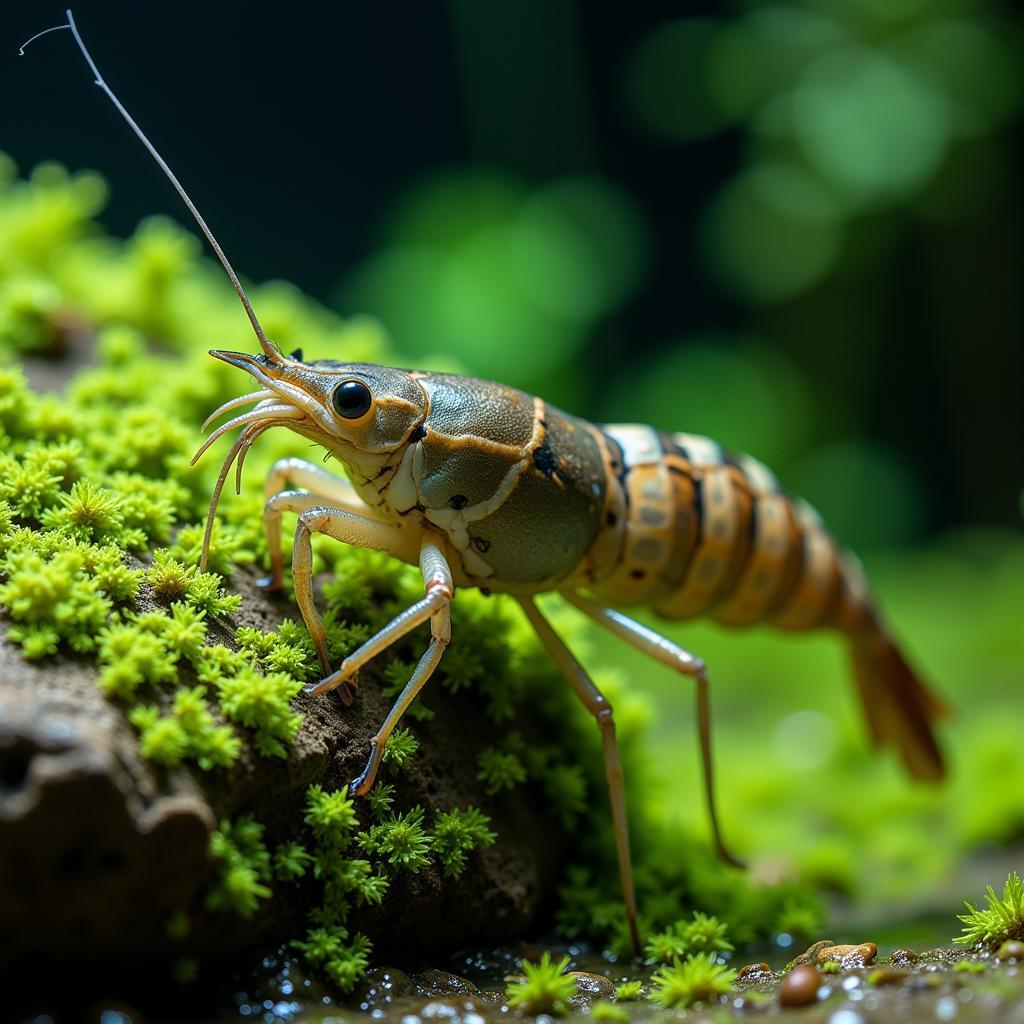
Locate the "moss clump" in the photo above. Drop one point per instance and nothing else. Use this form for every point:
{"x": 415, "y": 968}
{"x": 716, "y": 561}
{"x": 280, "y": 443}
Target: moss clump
{"x": 456, "y": 833}
{"x": 1002, "y": 918}
{"x": 546, "y": 988}
{"x": 243, "y": 867}
{"x": 701, "y": 934}
{"x": 698, "y": 979}
{"x": 628, "y": 991}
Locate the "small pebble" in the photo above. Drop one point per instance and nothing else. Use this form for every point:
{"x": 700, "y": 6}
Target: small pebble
{"x": 1012, "y": 949}
{"x": 755, "y": 972}
{"x": 887, "y": 976}
{"x": 590, "y": 988}
{"x": 849, "y": 956}
{"x": 903, "y": 958}
{"x": 800, "y": 986}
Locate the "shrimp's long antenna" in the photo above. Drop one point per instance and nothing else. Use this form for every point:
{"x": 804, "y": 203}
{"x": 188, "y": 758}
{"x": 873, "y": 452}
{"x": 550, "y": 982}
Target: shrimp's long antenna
{"x": 271, "y": 352}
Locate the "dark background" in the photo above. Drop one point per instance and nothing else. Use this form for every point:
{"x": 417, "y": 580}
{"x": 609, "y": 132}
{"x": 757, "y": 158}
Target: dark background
{"x": 298, "y": 129}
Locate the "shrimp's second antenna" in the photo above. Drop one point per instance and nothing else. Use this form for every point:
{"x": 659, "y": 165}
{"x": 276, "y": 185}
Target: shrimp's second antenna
{"x": 269, "y": 350}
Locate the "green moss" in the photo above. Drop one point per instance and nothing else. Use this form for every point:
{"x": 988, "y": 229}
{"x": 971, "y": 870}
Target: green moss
{"x": 627, "y": 991}
{"x": 331, "y": 816}
{"x": 262, "y": 703}
{"x": 456, "y": 833}
{"x": 604, "y": 1010}
{"x": 1002, "y": 918}
{"x": 968, "y": 967}
{"x": 290, "y": 861}
{"x": 499, "y": 769}
{"x": 243, "y": 867}
{"x": 701, "y": 934}
{"x": 699, "y": 979}
{"x": 400, "y": 840}
{"x": 400, "y": 749}
{"x": 546, "y": 988}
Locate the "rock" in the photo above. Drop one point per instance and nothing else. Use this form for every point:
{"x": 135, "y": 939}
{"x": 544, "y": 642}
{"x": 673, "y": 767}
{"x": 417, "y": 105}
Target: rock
{"x": 1012, "y": 949}
{"x": 810, "y": 955}
{"x": 434, "y": 983}
{"x": 800, "y": 986}
{"x": 98, "y": 847}
{"x": 755, "y": 972}
{"x": 848, "y": 956}
{"x": 589, "y": 989}
{"x": 903, "y": 958}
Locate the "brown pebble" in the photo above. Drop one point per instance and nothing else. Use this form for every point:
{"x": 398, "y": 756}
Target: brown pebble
{"x": 887, "y": 976}
{"x": 800, "y": 986}
{"x": 590, "y": 988}
{"x": 1011, "y": 949}
{"x": 809, "y": 955}
{"x": 848, "y": 956}
{"x": 903, "y": 958}
{"x": 754, "y": 972}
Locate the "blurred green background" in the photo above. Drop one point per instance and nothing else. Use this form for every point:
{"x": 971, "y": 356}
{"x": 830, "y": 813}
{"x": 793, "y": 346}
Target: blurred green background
{"x": 794, "y": 227}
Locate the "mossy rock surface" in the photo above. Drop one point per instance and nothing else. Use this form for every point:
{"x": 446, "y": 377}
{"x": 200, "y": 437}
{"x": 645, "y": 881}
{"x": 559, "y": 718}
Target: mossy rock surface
{"x": 98, "y": 846}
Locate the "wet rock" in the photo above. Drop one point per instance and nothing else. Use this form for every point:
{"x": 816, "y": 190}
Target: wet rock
{"x": 589, "y": 989}
{"x": 800, "y": 986}
{"x": 98, "y": 847}
{"x": 433, "y": 983}
{"x": 381, "y": 985}
{"x": 810, "y": 955}
{"x": 1012, "y": 949}
{"x": 849, "y": 957}
{"x": 755, "y": 972}
{"x": 903, "y": 958}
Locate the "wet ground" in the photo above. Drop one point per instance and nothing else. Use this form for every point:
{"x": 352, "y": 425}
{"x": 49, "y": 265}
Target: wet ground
{"x": 861, "y": 987}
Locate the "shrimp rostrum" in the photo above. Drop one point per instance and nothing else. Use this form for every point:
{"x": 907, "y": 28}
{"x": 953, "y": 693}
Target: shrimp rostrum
{"x": 481, "y": 485}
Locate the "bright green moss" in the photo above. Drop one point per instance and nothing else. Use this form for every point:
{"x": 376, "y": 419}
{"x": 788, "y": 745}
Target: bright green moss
{"x": 342, "y": 958}
{"x": 604, "y": 1010}
{"x": 262, "y": 703}
{"x": 331, "y": 816}
{"x": 546, "y": 988}
{"x": 400, "y": 840}
{"x": 1002, "y": 918}
{"x": 700, "y": 979}
{"x": 628, "y": 991}
{"x": 243, "y": 866}
{"x": 456, "y": 833}
{"x": 400, "y": 749}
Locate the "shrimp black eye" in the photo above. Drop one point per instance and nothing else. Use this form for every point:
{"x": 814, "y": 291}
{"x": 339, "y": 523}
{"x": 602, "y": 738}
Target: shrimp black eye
{"x": 352, "y": 399}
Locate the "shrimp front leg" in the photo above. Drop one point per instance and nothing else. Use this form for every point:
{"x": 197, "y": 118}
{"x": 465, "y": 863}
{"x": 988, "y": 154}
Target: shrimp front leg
{"x": 350, "y": 528}
{"x": 435, "y": 606}
{"x": 320, "y": 487}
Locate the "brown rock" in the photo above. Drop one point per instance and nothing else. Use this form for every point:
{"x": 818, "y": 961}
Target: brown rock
{"x": 800, "y": 986}
{"x": 98, "y": 847}
{"x": 755, "y": 972}
{"x": 589, "y": 989}
{"x": 903, "y": 958}
{"x": 809, "y": 955}
{"x": 848, "y": 956}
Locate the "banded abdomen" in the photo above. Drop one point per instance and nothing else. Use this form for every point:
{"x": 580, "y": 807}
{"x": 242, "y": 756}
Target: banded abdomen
{"x": 705, "y": 532}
